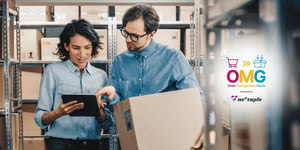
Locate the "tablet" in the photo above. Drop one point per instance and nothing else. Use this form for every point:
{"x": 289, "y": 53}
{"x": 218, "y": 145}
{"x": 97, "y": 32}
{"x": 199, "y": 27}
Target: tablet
{"x": 90, "y": 104}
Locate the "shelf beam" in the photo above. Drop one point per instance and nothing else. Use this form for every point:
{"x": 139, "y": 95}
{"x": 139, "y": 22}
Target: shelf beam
{"x": 102, "y": 2}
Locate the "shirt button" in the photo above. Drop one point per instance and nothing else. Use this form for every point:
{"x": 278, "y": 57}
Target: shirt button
{"x": 84, "y": 143}
{"x": 140, "y": 64}
{"x": 140, "y": 79}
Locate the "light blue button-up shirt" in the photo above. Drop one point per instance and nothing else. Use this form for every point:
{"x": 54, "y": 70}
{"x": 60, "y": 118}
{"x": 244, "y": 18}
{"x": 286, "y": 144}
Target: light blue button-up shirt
{"x": 155, "y": 69}
{"x": 65, "y": 78}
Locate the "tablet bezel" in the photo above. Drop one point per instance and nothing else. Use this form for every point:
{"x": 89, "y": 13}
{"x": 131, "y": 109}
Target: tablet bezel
{"x": 90, "y": 104}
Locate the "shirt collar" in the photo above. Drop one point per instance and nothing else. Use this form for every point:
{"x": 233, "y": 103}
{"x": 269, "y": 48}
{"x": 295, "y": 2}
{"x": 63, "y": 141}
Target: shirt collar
{"x": 147, "y": 51}
{"x": 73, "y": 68}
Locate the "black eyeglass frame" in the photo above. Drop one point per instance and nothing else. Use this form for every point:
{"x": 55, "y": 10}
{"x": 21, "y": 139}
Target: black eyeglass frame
{"x": 125, "y": 34}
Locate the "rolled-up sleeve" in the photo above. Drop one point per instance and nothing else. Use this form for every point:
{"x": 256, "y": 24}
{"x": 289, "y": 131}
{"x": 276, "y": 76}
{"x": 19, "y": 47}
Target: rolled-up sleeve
{"x": 46, "y": 96}
{"x": 110, "y": 121}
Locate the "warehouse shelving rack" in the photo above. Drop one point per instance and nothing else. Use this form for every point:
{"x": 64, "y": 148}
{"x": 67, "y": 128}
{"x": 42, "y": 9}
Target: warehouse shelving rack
{"x": 284, "y": 118}
{"x": 111, "y": 26}
{"x": 221, "y": 15}
{"x": 277, "y": 21}
{"x": 12, "y": 85}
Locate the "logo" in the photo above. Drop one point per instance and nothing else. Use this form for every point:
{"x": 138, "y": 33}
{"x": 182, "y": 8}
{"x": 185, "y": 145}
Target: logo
{"x": 235, "y": 98}
{"x": 246, "y": 74}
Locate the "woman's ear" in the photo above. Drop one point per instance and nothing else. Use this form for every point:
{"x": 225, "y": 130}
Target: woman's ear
{"x": 66, "y": 46}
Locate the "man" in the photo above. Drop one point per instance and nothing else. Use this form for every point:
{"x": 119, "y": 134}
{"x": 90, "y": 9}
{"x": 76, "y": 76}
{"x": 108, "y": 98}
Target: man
{"x": 148, "y": 67}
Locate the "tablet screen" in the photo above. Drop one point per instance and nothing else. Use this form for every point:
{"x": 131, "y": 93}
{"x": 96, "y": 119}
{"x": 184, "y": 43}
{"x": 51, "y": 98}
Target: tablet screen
{"x": 90, "y": 104}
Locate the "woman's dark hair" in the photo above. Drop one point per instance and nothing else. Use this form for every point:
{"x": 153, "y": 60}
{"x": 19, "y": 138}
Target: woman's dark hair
{"x": 83, "y": 28}
{"x": 148, "y": 13}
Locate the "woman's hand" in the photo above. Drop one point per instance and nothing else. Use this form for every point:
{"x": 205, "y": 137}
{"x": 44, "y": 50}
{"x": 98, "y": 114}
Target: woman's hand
{"x": 67, "y": 108}
{"x": 62, "y": 109}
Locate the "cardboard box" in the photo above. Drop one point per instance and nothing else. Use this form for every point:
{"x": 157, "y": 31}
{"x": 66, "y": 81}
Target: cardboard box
{"x": 66, "y": 13}
{"x": 94, "y": 13}
{"x": 166, "y": 13}
{"x": 2, "y": 85}
{"x": 120, "y": 10}
{"x": 34, "y": 144}
{"x": 30, "y": 44}
{"x": 11, "y": 4}
{"x": 185, "y": 13}
{"x": 121, "y": 43}
{"x": 48, "y": 48}
{"x": 14, "y": 132}
{"x": 169, "y": 37}
{"x": 170, "y": 120}
{"x": 31, "y": 77}
{"x": 102, "y": 55}
{"x": 34, "y": 13}
{"x": 30, "y": 128}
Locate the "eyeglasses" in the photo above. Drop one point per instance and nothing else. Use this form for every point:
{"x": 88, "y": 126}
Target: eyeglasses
{"x": 132, "y": 36}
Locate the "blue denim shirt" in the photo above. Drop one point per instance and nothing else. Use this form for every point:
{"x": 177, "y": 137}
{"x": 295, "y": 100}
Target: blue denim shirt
{"x": 157, "y": 68}
{"x": 64, "y": 78}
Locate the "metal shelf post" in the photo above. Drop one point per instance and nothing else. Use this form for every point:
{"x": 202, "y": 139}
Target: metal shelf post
{"x": 18, "y": 83}
{"x": 112, "y": 48}
{"x": 7, "y": 96}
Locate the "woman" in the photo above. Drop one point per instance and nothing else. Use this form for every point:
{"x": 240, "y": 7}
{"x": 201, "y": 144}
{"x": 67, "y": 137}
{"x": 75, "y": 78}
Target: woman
{"x": 74, "y": 75}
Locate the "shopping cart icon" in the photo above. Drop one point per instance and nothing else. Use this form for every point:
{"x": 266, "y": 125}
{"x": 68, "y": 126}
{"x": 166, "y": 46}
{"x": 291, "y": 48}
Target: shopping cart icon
{"x": 232, "y": 63}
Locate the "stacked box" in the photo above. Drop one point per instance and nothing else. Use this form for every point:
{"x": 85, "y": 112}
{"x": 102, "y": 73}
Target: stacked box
{"x": 34, "y": 13}
{"x": 66, "y": 13}
{"x": 30, "y": 128}
{"x": 94, "y": 13}
{"x": 120, "y": 11}
{"x": 49, "y": 48}
{"x": 34, "y": 144}
{"x": 31, "y": 77}
{"x": 14, "y": 131}
{"x": 2, "y": 84}
{"x": 170, "y": 120}
{"x": 121, "y": 43}
{"x": 185, "y": 13}
{"x": 11, "y": 4}
{"x": 102, "y": 55}
{"x": 166, "y": 13}
{"x": 169, "y": 37}
{"x": 30, "y": 44}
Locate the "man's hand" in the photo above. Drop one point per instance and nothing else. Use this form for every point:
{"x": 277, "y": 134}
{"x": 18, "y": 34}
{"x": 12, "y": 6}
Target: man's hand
{"x": 108, "y": 91}
{"x": 199, "y": 145}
